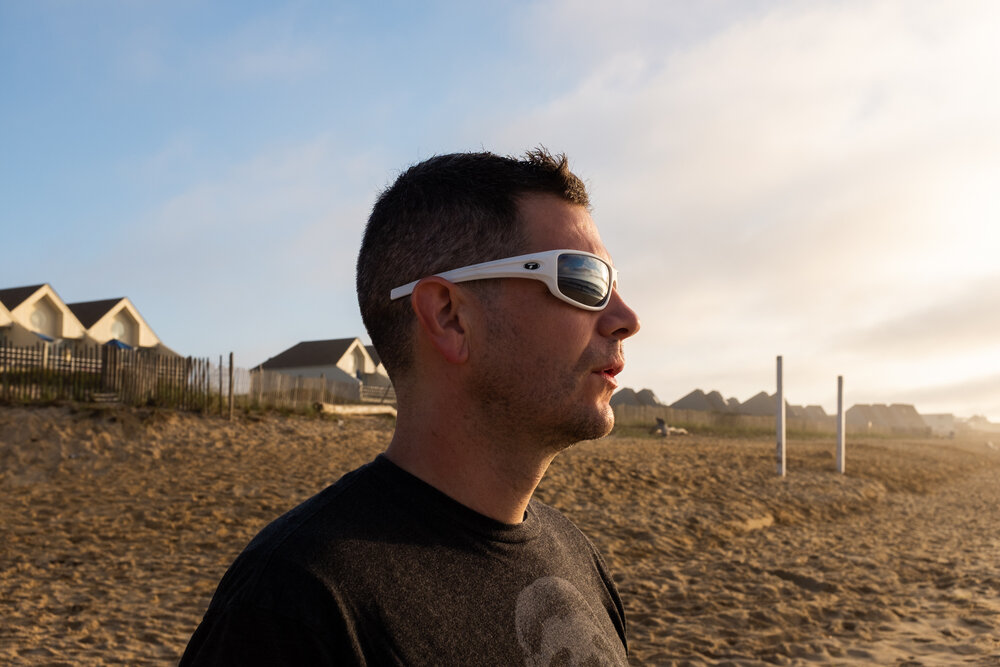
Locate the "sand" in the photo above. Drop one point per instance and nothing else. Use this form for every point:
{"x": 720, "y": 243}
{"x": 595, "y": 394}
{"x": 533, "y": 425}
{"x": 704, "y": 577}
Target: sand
{"x": 117, "y": 525}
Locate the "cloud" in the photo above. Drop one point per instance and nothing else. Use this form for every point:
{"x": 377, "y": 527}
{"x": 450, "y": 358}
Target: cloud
{"x": 268, "y": 244}
{"x": 777, "y": 179}
{"x": 970, "y": 318}
{"x": 977, "y": 395}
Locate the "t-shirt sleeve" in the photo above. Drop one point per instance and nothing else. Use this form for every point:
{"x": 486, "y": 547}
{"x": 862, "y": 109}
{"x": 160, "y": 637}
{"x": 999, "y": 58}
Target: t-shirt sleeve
{"x": 254, "y": 636}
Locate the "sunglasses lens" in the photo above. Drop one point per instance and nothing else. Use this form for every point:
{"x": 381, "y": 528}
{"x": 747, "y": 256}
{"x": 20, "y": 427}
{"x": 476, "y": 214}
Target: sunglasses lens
{"x": 584, "y": 279}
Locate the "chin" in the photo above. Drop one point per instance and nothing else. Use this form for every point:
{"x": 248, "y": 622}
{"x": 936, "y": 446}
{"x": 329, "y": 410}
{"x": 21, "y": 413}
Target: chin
{"x": 596, "y": 424}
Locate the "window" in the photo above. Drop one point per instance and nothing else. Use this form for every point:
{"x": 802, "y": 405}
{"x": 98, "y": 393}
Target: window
{"x": 45, "y": 318}
{"x": 125, "y": 328}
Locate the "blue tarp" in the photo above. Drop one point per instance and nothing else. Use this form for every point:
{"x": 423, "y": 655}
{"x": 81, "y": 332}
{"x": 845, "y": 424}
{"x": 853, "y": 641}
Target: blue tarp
{"x": 114, "y": 342}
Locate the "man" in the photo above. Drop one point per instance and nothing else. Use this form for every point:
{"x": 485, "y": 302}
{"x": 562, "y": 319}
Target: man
{"x": 493, "y": 304}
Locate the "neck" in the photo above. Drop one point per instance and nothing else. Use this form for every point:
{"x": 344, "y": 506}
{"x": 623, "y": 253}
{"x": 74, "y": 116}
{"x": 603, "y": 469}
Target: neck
{"x": 492, "y": 472}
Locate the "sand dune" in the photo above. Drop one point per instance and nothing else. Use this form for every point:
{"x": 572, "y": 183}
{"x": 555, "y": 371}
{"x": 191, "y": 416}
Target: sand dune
{"x": 117, "y": 525}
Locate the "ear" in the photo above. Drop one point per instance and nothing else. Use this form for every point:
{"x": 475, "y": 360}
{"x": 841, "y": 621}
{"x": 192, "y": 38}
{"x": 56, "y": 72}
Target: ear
{"x": 440, "y": 308}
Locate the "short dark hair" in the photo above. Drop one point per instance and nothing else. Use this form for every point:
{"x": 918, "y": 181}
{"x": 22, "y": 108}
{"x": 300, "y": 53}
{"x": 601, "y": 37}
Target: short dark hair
{"x": 443, "y": 213}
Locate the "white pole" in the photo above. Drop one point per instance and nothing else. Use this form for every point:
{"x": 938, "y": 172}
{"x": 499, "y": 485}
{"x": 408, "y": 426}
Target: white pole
{"x": 780, "y": 420}
{"x": 841, "y": 431}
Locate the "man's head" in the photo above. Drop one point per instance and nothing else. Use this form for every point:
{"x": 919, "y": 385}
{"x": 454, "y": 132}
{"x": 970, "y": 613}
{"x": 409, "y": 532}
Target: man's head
{"x": 443, "y": 213}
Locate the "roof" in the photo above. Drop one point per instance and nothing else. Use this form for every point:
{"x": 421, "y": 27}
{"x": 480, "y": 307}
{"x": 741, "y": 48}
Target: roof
{"x": 624, "y": 396}
{"x": 373, "y": 353}
{"x": 796, "y": 411}
{"x": 710, "y": 402}
{"x": 696, "y": 400}
{"x": 647, "y": 397}
{"x": 897, "y": 417}
{"x": 760, "y": 404}
{"x": 12, "y": 297}
{"x": 88, "y": 312}
{"x": 717, "y": 402}
{"x": 311, "y": 353}
{"x": 815, "y": 412}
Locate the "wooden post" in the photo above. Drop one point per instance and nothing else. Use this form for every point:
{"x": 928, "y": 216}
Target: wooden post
{"x": 230, "y": 386}
{"x": 780, "y": 422}
{"x": 841, "y": 431}
{"x": 260, "y": 384}
{"x": 220, "y": 385}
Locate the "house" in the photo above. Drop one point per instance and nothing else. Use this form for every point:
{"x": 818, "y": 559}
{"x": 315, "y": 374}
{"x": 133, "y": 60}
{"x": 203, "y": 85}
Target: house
{"x": 761, "y": 404}
{"x": 815, "y": 412}
{"x": 942, "y": 425}
{"x": 379, "y": 367}
{"x": 980, "y": 423}
{"x": 795, "y": 411}
{"x": 114, "y": 319}
{"x": 898, "y": 419}
{"x": 38, "y": 314}
{"x": 699, "y": 400}
{"x": 344, "y": 360}
{"x": 628, "y": 396}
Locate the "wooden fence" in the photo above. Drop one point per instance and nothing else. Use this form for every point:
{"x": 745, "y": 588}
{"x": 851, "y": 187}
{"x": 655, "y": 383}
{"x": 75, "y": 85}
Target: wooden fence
{"x": 645, "y": 415}
{"x": 51, "y": 372}
{"x": 88, "y": 373}
{"x": 268, "y": 388}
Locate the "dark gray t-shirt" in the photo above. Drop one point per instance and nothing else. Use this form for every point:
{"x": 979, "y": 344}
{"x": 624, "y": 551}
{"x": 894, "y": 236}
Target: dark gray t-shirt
{"x": 381, "y": 568}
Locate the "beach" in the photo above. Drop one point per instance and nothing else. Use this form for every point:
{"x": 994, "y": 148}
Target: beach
{"x": 118, "y": 523}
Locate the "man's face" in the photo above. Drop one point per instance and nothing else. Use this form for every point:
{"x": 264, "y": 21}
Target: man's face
{"x": 546, "y": 364}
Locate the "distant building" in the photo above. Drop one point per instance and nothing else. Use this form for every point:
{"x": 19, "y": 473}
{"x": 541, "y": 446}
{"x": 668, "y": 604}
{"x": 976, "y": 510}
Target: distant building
{"x": 699, "y": 400}
{"x": 896, "y": 419}
{"x": 114, "y": 319}
{"x": 379, "y": 367}
{"x": 628, "y": 396}
{"x": 980, "y": 423}
{"x": 760, "y": 404}
{"x": 796, "y": 412}
{"x": 344, "y": 360}
{"x": 942, "y": 425}
{"x": 36, "y": 313}
{"x": 815, "y": 412}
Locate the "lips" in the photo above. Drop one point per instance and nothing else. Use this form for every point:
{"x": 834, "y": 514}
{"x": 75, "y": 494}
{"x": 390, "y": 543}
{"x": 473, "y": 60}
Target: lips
{"x": 611, "y": 370}
{"x": 615, "y": 368}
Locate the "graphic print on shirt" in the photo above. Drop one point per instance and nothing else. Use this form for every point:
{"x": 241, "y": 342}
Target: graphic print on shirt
{"x": 555, "y": 625}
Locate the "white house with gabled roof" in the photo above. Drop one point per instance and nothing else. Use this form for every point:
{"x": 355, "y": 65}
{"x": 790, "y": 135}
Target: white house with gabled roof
{"x": 36, "y": 313}
{"x": 39, "y": 314}
{"x": 338, "y": 360}
{"x": 114, "y": 319}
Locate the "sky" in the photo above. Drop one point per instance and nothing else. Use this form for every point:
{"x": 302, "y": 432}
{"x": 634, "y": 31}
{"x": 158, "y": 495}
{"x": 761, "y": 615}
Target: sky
{"x": 812, "y": 180}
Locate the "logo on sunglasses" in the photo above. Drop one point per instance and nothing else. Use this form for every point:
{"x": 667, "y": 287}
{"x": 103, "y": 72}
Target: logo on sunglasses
{"x": 531, "y": 266}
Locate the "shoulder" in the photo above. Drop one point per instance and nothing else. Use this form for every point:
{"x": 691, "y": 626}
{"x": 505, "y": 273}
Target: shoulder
{"x": 292, "y": 555}
{"x": 552, "y": 519}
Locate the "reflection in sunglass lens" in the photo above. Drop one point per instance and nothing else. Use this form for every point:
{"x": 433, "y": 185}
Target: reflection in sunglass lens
{"x": 584, "y": 279}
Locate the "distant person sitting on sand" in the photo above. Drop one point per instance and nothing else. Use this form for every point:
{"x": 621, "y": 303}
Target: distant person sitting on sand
{"x": 435, "y": 552}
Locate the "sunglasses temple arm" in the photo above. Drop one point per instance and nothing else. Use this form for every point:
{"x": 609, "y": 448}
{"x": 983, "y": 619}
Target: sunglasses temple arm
{"x": 499, "y": 269}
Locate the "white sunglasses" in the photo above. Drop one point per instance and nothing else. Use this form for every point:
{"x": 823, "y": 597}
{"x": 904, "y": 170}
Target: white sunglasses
{"x": 577, "y": 277}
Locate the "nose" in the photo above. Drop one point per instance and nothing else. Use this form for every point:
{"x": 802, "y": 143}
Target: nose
{"x": 618, "y": 321}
